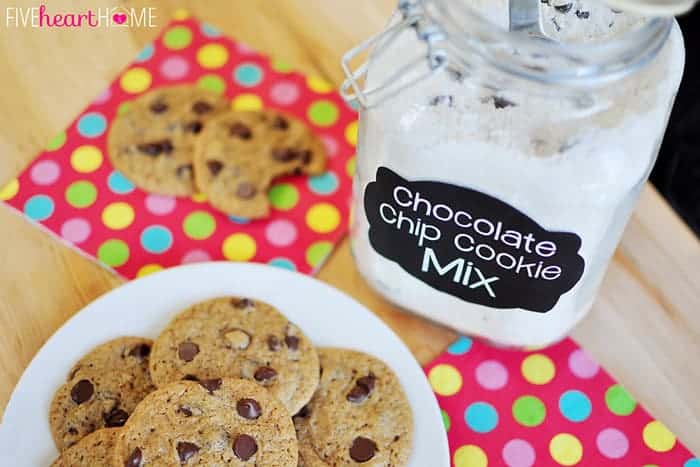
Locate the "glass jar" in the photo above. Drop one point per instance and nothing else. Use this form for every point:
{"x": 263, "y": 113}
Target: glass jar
{"x": 496, "y": 169}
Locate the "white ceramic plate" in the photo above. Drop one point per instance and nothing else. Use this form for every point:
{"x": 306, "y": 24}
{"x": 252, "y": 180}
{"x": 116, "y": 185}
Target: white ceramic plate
{"x": 144, "y": 306}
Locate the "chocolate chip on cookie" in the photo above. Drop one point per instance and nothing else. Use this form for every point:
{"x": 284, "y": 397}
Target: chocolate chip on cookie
{"x": 185, "y": 450}
{"x": 187, "y": 351}
{"x": 201, "y": 107}
{"x": 82, "y": 391}
{"x": 115, "y": 418}
{"x": 244, "y": 446}
{"x": 194, "y": 127}
{"x": 362, "y": 449}
{"x": 211, "y": 385}
{"x": 156, "y": 148}
{"x": 265, "y": 374}
{"x": 248, "y": 408}
{"x": 240, "y": 130}
{"x": 273, "y": 343}
{"x": 134, "y": 460}
{"x": 140, "y": 351}
{"x": 214, "y": 167}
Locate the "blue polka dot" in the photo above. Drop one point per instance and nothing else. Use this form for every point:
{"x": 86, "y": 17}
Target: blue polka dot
{"x": 238, "y": 220}
{"x": 575, "y": 406}
{"x": 248, "y": 74}
{"x": 156, "y": 239}
{"x": 39, "y": 207}
{"x": 283, "y": 263}
{"x": 119, "y": 184}
{"x": 92, "y": 125}
{"x": 481, "y": 417}
{"x": 209, "y": 30}
{"x": 324, "y": 184}
{"x": 145, "y": 54}
{"x": 460, "y": 346}
{"x": 694, "y": 462}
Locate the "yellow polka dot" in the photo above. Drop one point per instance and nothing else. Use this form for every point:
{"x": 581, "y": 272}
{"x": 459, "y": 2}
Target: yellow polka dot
{"x": 445, "y": 380}
{"x": 351, "y": 133}
{"x": 470, "y": 456}
{"x": 239, "y": 247}
{"x": 148, "y": 269}
{"x": 86, "y": 159}
{"x": 318, "y": 84}
{"x": 9, "y": 190}
{"x": 658, "y": 437}
{"x": 246, "y": 102}
{"x": 212, "y": 56}
{"x": 199, "y": 197}
{"x": 538, "y": 369}
{"x": 566, "y": 449}
{"x": 181, "y": 14}
{"x": 323, "y": 218}
{"x": 118, "y": 216}
{"x": 135, "y": 80}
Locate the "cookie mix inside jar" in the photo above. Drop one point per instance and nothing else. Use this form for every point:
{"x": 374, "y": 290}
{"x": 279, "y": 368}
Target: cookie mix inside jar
{"x": 502, "y": 147}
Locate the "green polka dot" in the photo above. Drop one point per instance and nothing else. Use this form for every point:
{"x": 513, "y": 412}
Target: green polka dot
{"x": 212, "y": 83}
{"x": 280, "y": 66}
{"x": 446, "y": 420}
{"x": 57, "y": 141}
{"x": 199, "y": 225}
{"x": 650, "y": 465}
{"x": 529, "y": 411}
{"x": 123, "y": 108}
{"x": 81, "y": 194}
{"x": 619, "y": 400}
{"x": 283, "y": 196}
{"x": 318, "y": 252}
{"x": 177, "y": 38}
{"x": 113, "y": 253}
{"x": 350, "y": 167}
{"x": 323, "y": 113}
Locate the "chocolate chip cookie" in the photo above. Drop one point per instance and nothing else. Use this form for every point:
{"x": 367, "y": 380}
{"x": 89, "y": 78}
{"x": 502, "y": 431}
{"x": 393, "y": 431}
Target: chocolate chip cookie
{"x": 358, "y": 416}
{"x": 102, "y": 389}
{"x": 239, "y": 154}
{"x": 240, "y": 338}
{"x": 214, "y": 422}
{"x": 152, "y": 143}
{"x": 94, "y": 450}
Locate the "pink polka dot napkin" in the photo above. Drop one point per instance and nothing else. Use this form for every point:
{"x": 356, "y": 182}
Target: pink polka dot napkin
{"x": 549, "y": 407}
{"x": 72, "y": 190}
{"x": 501, "y": 408}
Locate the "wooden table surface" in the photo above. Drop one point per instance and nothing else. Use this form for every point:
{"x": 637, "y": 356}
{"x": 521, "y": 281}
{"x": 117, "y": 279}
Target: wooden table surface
{"x": 644, "y": 328}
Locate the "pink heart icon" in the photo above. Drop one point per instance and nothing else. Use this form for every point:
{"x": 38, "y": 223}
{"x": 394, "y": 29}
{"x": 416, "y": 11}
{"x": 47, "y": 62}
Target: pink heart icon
{"x": 119, "y": 18}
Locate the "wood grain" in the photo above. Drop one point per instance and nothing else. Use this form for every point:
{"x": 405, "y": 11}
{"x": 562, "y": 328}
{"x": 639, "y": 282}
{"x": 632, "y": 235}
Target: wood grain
{"x": 644, "y": 328}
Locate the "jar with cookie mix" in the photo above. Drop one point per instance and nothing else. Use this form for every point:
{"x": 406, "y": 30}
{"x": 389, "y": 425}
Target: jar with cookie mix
{"x": 501, "y": 152}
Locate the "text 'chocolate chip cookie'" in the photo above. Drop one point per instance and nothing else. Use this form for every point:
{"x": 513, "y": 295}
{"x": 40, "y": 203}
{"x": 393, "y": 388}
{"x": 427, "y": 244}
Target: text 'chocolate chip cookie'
{"x": 220, "y": 422}
{"x": 240, "y": 338}
{"x": 239, "y": 154}
{"x": 152, "y": 141}
{"x": 94, "y": 450}
{"x": 359, "y": 416}
{"x": 101, "y": 390}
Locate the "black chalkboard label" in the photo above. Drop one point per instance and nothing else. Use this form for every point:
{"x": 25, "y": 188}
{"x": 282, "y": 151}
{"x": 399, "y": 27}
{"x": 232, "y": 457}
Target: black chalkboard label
{"x": 469, "y": 244}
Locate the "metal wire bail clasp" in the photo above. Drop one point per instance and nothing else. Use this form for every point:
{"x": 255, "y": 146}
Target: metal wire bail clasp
{"x": 354, "y": 88}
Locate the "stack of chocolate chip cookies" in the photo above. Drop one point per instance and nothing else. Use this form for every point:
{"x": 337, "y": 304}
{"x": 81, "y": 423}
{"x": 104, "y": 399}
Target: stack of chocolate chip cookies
{"x": 230, "y": 382}
{"x": 179, "y": 140}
